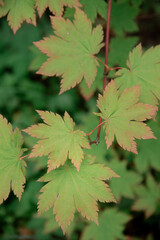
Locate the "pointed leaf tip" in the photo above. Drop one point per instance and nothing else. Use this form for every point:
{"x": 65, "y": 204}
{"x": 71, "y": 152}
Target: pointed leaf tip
{"x": 69, "y": 56}
{"x": 79, "y": 190}
{"x": 124, "y": 116}
{"x": 58, "y": 139}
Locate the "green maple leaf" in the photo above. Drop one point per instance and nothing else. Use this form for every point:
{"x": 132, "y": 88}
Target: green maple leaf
{"x": 127, "y": 182}
{"x": 148, "y": 197}
{"x": 123, "y": 116}
{"x": 111, "y": 226}
{"x": 144, "y": 70}
{"x": 71, "y": 51}
{"x": 58, "y": 140}
{"x": 149, "y": 154}
{"x": 18, "y": 11}
{"x": 68, "y": 190}
{"x": 12, "y": 166}
{"x": 123, "y": 17}
{"x": 55, "y": 6}
{"x": 94, "y": 7}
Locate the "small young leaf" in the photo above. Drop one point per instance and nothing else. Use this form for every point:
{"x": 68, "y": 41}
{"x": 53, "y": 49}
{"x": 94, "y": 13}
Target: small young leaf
{"x": 144, "y": 70}
{"x": 12, "y": 166}
{"x": 128, "y": 181}
{"x": 68, "y": 190}
{"x": 18, "y": 11}
{"x": 71, "y": 52}
{"x": 124, "y": 116}
{"x": 55, "y": 6}
{"x": 148, "y": 197}
{"x": 111, "y": 226}
{"x": 58, "y": 140}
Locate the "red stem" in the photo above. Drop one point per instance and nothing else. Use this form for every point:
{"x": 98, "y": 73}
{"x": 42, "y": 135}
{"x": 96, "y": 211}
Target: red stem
{"x": 106, "y": 59}
{"x": 95, "y": 128}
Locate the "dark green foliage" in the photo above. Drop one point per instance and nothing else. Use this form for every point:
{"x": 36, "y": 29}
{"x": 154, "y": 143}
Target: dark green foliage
{"x": 137, "y": 213}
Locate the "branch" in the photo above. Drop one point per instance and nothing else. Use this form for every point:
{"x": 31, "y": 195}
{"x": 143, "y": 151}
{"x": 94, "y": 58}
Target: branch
{"x": 89, "y": 134}
{"x": 106, "y": 59}
{"x": 108, "y": 68}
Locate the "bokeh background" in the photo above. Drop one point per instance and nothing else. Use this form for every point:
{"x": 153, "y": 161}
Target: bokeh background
{"x": 22, "y": 91}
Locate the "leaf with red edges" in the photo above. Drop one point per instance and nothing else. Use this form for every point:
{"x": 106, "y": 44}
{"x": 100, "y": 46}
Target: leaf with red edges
{"x": 55, "y": 6}
{"x": 58, "y": 140}
{"x": 71, "y": 51}
{"x": 68, "y": 190}
{"x": 12, "y": 166}
{"x": 18, "y": 11}
{"x": 124, "y": 116}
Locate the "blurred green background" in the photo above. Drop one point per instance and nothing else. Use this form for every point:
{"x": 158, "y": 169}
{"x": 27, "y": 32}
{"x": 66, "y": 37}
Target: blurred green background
{"x": 22, "y": 91}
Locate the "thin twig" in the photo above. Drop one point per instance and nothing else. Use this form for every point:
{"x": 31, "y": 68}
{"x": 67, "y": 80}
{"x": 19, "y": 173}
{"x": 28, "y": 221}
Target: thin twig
{"x": 108, "y": 68}
{"x": 89, "y": 134}
{"x": 106, "y": 58}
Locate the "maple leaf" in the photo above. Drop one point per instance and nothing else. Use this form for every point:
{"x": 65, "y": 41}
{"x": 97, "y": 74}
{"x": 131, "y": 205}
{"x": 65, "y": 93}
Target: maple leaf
{"x": 127, "y": 182}
{"x": 56, "y": 6}
{"x": 148, "y": 151}
{"x": 148, "y": 197}
{"x": 58, "y": 140}
{"x": 124, "y": 14}
{"x": 12, "y": 166}
{"x": 68, "y": 190}
{"x": 18, "y": 11}
{"x": 51, "y": 225}
{"x": 94, "y": 7}
{"x": 111, "y": 226}
{"x": 123, "y": 116}
{"x": 71, "y": 51}
{"x": 144, "y": 70}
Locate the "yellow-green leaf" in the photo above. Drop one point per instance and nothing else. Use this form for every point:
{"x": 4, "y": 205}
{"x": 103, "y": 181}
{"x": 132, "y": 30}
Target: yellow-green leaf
{"x": 12, "y": 166}
{"x": 71, "y": 51}
{"x": 68, "y": 190}
{"x": 55, "y": 6}
{"x": 143, "y": 70}
{"x": 58, "y": 139}
{"x": 18, "y": 11}
{"x": 123, "y": 116}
